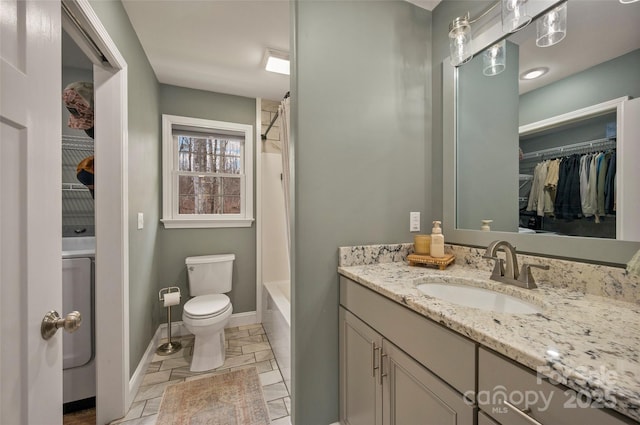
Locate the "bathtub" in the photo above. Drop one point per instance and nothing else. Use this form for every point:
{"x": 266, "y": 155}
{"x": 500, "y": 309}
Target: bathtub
{"x": 277, "y": 323}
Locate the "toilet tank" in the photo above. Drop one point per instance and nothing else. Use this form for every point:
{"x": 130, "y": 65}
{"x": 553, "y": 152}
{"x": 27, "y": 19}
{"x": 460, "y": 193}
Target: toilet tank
{"x": 210, "y": 274}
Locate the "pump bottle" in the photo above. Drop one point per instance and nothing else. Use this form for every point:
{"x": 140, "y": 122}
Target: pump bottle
{"x": 437, "y": 240}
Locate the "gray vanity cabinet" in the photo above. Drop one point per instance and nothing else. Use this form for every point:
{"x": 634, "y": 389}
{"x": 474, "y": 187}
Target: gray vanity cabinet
{"x": 360, "y": 394}
{"x": 390, "y": 383}
{"x": 380, "y": 384}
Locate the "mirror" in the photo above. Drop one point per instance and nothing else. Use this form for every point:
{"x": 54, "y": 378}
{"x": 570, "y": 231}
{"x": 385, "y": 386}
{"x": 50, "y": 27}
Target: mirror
{"x": 488, "y": 119}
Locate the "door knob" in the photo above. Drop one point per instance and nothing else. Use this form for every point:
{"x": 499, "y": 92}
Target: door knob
{"x": 52, "y": 322}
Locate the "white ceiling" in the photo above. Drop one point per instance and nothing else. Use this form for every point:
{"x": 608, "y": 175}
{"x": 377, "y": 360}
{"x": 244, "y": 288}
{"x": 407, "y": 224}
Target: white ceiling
{"x": 219, "y": 45}
{"x": 215, "y": 45}
{"x": 597, "y": 31}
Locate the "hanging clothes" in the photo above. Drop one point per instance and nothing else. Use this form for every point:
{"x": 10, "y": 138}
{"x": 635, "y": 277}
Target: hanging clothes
{"x": 568, "y": 203}
{"x": 610, "y": 186}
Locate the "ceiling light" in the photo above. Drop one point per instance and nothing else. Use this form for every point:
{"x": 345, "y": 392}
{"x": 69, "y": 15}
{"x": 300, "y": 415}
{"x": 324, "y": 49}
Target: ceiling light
{"x": 552, "y": 27}
{"x": 277, "y": 62}
{"x": 628, "y": 1}
{"x": 534, "y": 73}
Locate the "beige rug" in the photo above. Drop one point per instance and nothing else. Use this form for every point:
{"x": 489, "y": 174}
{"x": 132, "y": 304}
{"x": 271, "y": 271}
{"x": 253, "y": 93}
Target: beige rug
{"x": 233, "y": 398}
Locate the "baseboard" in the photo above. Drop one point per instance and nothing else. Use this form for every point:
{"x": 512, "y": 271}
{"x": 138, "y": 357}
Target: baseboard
{"x": 242, "y": 319}
{"x": 177, "y": 329}
{"x": 138, "y": 375}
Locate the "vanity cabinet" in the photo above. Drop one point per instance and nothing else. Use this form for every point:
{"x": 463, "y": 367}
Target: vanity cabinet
{"x": 531, "y": 400}
{"x": 388, "y": 375}
{"x": 398, "y": 367}
{"x": 380, "y": 384}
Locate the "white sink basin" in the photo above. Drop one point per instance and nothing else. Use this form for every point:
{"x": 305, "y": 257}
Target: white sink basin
{"x": 481, "y": 298}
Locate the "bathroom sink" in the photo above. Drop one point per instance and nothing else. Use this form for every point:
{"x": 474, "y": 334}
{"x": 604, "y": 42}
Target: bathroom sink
{"x": 481, "y": 298}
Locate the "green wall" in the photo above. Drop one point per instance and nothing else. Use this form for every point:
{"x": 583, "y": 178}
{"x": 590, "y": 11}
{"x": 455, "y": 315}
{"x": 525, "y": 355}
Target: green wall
{"x": 177, "y": 244}
{"x": 144, "y": 178}
{"x": 361, "y": 108}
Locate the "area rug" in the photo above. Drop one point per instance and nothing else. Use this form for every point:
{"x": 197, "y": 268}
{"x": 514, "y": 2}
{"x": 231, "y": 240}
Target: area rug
{"x": 232, "y": 398}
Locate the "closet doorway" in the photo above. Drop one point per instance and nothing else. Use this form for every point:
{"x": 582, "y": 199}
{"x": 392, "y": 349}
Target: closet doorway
{"x": 80, "y": 23}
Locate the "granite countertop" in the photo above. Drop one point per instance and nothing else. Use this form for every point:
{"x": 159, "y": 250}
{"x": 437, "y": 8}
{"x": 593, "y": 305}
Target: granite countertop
{"x": 587, "y": 342}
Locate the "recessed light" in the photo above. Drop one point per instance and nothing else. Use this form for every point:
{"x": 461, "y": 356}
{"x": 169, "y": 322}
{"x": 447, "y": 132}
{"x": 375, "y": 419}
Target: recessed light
{"x": 534, "y": 73}
{"x": 276, "y": 61}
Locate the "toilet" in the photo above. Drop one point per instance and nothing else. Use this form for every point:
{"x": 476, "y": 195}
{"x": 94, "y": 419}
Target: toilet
{"x": 208, "y": 312}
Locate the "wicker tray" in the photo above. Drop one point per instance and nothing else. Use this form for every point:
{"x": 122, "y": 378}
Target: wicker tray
{"x": 427, "y": 260}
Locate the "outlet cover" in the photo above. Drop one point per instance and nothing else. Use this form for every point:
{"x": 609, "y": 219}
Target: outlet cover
{"x": 414, "y": 221}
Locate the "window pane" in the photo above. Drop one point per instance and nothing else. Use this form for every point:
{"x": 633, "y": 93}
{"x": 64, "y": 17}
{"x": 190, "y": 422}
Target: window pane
{"x": 208, "y": 195}
{"x": 209, "y": 154}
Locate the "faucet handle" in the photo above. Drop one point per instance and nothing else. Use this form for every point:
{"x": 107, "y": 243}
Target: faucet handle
{"x": 526, "y": 276}
{"x": 498, "y": 268}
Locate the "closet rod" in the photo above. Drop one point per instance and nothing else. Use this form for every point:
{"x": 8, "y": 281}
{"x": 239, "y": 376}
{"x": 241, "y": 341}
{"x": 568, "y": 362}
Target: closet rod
{"x": 562, "y": 150}
{"x": 275, "y": 117}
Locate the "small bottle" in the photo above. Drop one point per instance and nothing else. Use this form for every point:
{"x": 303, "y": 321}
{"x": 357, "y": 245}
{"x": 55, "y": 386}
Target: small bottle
{"x": 437, "y": 240}
{"x": 486, "y": 225}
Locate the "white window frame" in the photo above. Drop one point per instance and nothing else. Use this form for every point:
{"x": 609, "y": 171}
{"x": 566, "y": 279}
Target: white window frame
{"x": 170, "y": 216}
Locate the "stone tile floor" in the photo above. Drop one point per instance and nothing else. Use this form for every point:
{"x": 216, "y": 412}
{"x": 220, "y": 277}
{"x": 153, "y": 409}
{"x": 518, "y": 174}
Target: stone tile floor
{"x": 246, "y": 346}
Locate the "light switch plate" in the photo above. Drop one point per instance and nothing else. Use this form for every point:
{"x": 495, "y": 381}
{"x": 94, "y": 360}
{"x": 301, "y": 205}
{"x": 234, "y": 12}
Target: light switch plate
{"x": 414, "y": 221}
{"x": 140, "y": 220}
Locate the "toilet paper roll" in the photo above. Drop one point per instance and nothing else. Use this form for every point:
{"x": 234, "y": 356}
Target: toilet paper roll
{"x": 171, "y": 298}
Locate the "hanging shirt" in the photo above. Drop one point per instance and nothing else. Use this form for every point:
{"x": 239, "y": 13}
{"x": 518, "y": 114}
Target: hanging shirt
{"x": 610, "y": 186}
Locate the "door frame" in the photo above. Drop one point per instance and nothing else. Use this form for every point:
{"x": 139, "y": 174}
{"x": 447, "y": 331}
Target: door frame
{"x": 113, "y": 387}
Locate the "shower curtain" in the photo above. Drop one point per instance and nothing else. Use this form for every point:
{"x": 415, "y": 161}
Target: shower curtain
{"x": 284, "y": 113}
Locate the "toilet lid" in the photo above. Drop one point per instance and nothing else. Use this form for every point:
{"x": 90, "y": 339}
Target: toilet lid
{"x": 206, "y": 305}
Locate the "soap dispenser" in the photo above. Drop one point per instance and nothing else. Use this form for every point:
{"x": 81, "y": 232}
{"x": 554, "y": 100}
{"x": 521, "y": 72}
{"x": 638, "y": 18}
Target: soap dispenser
{"x": 437, "y": 240}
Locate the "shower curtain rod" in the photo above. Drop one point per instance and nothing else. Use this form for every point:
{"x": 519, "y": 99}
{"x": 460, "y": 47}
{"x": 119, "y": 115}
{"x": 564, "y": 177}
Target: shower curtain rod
{"x": 275, "y": 117}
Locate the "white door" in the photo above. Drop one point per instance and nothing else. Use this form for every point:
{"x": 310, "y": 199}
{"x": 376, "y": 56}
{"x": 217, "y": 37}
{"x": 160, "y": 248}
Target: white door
{"x": 30, "y": 211}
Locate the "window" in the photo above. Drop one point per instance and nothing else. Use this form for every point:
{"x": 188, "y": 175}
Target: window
{"x": 207, "y": 170}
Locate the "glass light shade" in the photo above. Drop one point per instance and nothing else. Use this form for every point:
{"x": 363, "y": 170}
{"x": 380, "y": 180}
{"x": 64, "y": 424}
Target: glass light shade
{"x": 460, "y": 41}
{"x": 494, "y": 59}
{"x": 514, "y": 15}
{"x": 552, "y": 27}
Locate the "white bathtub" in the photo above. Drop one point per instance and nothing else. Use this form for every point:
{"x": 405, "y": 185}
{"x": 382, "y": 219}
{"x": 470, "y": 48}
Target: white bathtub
{"x": 277, "y": 323}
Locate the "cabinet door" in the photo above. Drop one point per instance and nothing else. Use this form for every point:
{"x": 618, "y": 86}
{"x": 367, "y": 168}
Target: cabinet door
{"x": 360, "y": 392}
{"x": 413, "y": 395}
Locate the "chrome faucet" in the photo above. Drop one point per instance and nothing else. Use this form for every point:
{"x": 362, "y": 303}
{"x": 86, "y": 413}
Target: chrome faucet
{"x": 510, "y": 274}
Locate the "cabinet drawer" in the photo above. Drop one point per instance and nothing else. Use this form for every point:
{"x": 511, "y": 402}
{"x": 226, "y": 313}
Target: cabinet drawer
{"x": 500, "y": 379}
{"x": 448, "y": 355}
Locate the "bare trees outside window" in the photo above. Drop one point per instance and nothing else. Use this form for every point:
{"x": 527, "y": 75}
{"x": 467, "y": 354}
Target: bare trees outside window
{"x": 209, "y": 174}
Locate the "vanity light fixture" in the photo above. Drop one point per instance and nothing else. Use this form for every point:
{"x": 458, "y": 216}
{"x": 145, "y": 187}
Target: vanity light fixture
{"x": 275, "y": 61}
{"x": 534, "y": 73}
{"x": 494, "y": 59}
{"x": 514, "y": 15}
{"x": 552, "y": 27}
{"x": 514, "y": 18}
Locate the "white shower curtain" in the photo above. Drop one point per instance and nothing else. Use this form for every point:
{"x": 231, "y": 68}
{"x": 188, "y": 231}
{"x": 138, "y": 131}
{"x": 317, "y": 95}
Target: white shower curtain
{"x": 285, "y": 114}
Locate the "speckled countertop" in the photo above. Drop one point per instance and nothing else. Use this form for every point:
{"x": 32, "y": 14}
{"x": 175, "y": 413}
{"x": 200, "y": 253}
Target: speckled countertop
{"x": 588, "y": 342}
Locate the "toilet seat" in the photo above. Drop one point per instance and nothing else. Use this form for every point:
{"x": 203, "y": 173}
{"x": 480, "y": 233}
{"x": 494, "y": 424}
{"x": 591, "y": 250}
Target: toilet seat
{"x": 206, "y": 306}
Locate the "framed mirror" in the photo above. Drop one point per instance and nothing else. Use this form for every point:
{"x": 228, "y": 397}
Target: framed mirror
{"x": 498, "y": 128}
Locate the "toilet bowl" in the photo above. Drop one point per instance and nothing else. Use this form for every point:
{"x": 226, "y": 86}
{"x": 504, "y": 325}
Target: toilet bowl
{"x": 208, "y": 312}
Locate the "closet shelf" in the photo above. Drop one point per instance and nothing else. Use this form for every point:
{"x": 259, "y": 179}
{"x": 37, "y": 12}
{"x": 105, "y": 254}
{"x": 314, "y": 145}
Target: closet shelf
{"x": 582, "y": 147}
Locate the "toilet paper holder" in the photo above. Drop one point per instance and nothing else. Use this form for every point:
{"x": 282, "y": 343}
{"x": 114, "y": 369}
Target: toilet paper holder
{"x": 169, "y": 347}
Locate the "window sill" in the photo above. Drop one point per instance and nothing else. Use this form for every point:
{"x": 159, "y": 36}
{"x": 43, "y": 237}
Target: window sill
{"x": 179, "y": 223}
